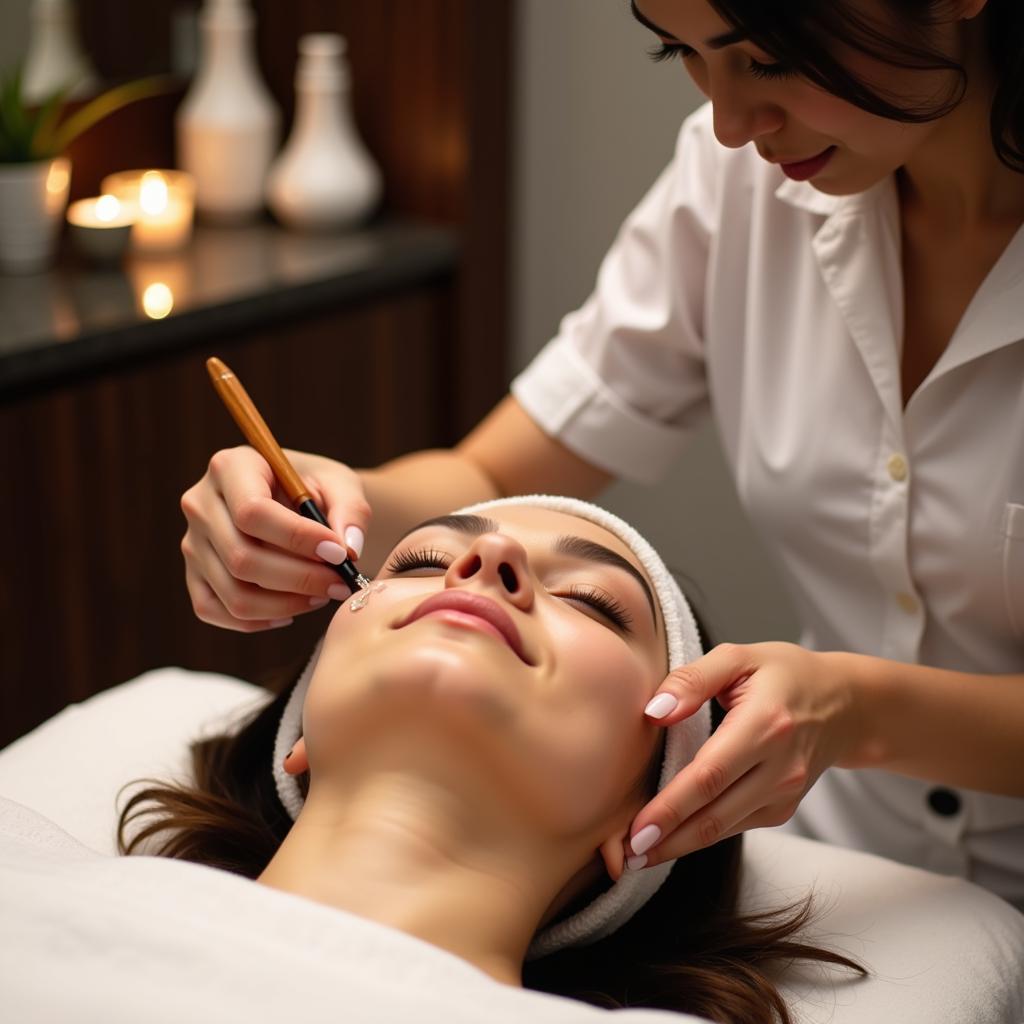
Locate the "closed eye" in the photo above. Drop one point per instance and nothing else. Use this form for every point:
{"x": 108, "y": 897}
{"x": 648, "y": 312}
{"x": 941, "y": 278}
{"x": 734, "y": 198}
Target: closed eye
{"x": 431, "y": 558}
{"x": 424, "y": 558}
{"x": 680, "y": 51}
{"x": 610, "y": 609}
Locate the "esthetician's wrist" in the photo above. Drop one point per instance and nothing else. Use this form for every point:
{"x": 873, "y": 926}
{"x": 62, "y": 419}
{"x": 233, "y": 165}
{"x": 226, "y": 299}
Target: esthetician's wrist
{"x": 873, "y": 706}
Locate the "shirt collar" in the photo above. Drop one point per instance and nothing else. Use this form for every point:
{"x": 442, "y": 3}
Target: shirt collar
{"x": 880, "y": 199}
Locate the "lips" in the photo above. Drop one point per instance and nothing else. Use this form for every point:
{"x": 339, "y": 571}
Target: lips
{"x": 801, "y": 170}
{"x": 475, "y": 605}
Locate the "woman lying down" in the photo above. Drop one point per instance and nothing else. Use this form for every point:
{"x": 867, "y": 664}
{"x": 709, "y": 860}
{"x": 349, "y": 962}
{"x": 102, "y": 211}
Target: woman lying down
{"x": 460, "y": 762}
{"x": 463, "y": 757}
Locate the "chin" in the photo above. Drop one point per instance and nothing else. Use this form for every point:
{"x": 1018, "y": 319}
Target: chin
{"x": 456, "y": 676}
{"x": 851, "y": 182}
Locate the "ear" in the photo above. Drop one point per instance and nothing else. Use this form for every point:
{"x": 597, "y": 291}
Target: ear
{"x": 296, "y": 762}
{"x": 613, "y": 853}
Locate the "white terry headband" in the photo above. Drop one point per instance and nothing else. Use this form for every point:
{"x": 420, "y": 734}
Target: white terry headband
{"x": 617, "y": 904}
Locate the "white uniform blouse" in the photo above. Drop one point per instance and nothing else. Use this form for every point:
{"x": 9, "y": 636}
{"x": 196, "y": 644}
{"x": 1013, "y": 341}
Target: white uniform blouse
{"x": 900, "y": 531}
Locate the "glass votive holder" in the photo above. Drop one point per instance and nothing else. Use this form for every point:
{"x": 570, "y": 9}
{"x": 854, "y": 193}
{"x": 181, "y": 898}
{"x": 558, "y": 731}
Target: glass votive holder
{"x": 100, "y": 228}
{"x": 164, "y": 201}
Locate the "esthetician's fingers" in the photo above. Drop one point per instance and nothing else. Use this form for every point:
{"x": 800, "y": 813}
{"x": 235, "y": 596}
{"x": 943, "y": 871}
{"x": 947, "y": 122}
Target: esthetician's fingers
{"x": 247, "y": 485}
{"x": 232, "y": 565}
{"x": 210, "y": 609}
{"x": 338, "y": 492}
{"x": 253, "y": 561}
{"x": 729, "y": 755}
{"x": 788, "y": 710}
{"x": 765, "y": 796}
{"x": 236, "y": 499}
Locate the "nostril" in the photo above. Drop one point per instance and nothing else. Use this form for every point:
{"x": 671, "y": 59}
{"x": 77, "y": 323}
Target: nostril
{"x": 472, "y": 569}
{"x": 508, "y": 577}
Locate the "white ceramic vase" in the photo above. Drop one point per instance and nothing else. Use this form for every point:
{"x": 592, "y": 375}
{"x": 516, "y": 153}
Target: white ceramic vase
{"x": 324, "y": 179}
{"x": 228, "y": 124}
{"x": 54, "y": 58}
{"x": 32, "y": 202}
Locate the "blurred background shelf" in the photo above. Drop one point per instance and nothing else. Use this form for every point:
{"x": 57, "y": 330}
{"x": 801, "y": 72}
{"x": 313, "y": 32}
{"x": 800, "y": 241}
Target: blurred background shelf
{"x": 78, "y": 321}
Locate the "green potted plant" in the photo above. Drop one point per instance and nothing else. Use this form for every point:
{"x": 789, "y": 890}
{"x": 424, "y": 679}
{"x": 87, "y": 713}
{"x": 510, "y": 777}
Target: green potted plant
{"x": 35, "y": 176}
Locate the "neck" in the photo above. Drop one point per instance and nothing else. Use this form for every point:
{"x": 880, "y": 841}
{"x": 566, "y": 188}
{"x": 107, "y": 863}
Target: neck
{"x": 402, "y": 848}
{"x": 955, "y": 183}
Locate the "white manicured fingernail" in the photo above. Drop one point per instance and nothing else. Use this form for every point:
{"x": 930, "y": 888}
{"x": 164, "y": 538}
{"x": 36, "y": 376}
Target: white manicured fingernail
{"x": 636, "y": 863}
{"x": 331, "y": 552}
{"x": 645, "y": 839}
{"x": 318, "y": 602}
{"x": 339, "y": 592}
{"x": 355, "y": 540}
{"x": 660, "y": 706}
{"x": 278, "y": 623}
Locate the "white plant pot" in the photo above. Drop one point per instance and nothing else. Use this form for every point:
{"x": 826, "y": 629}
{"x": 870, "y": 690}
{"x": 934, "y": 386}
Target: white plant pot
{"x": 32, "y": 202}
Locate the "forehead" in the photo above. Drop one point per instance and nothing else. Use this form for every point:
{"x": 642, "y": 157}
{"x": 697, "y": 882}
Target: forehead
{"x": 694, "y": 16}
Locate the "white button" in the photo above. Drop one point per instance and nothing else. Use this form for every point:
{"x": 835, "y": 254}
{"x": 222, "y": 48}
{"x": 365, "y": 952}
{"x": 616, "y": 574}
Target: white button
{"x": 897, "y": 466}
{"x": 907, "y": 602}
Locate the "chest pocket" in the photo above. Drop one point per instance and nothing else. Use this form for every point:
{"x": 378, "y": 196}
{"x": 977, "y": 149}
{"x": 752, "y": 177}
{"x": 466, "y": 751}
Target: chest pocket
{"x": 1013, "y": 565}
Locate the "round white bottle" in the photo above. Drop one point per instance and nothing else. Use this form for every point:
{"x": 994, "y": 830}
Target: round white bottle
{"x": 324, "y": 178}
{"x": 54, "y": 58}
{"x": 228, "y": 124}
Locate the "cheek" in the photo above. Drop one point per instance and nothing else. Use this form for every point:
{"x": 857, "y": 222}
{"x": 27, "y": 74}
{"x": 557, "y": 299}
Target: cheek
{"x": 589, "y": 738}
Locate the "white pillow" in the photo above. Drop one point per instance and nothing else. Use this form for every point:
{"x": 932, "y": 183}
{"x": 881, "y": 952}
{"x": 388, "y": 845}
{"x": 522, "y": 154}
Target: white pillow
{"x": 940, "y": 949}
{"x": 71, "y": 767}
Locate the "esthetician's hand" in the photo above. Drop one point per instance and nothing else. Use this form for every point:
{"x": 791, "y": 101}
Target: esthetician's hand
{"x": 790, "y": 713}
{"x": 251, "y": 563}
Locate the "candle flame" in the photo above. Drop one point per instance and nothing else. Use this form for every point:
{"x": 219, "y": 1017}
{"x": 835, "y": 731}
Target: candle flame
{"x": 153, "y": 196}
{"x": 107, "y": 209}
{"x": 157, "y": 300}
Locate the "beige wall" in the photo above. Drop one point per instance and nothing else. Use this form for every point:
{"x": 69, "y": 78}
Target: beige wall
{"x": 596, "y": 122}
{"x": 13, "y": 32}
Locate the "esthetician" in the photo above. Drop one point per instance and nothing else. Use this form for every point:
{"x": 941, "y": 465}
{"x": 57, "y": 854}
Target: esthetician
{"x": 832, "y": 267}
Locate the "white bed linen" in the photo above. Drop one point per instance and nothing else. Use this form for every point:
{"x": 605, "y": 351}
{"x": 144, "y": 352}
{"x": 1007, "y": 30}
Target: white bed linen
{"x": 90, "y": 938}
{"x": 85, "y": 935}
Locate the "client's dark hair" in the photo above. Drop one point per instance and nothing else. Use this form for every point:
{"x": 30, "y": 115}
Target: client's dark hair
{"x": 803, "y": 34}
{"x": 688, "y": 949}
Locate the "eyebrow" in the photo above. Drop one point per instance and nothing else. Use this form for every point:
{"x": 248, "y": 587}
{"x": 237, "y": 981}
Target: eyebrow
{"x": 574, "y": 547}
{"x": 736, "y": 35}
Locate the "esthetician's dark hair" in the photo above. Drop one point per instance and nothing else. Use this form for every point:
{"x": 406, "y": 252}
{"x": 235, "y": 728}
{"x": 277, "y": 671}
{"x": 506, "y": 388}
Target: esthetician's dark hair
{"x": 688, "y": 949}
{"x": 802, "y": 34}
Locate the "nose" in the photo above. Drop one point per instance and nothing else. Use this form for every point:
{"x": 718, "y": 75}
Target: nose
{"x": 497, "y": 563}
{"x": 740, "y": 113}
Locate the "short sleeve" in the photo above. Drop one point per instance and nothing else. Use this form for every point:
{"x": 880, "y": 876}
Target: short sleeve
{"x": 623, "y": 383}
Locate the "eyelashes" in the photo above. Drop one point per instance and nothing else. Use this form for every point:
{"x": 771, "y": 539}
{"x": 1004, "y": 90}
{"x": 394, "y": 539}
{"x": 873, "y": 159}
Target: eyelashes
{"x": 431, "y": 558}
{"x": 680, "y": 51}
{"x": 425, "y": 558}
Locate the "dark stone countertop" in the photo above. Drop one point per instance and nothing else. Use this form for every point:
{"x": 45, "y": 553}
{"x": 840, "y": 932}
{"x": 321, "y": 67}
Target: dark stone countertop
{"x": 77, "y": 320}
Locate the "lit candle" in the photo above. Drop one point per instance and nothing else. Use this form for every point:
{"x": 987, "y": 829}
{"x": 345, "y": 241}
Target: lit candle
{"x": 100, "y": 227}
{"x": 164, "y": 202}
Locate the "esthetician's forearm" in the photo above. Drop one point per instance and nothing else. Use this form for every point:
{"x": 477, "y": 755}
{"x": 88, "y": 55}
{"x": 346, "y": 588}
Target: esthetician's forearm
{"x": 952, "y": 727}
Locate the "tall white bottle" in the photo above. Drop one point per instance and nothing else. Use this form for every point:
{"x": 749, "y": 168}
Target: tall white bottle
{"x": 324, "y": 178}
{"x": 228, "y": 124}
{"x": 54, "y": 58}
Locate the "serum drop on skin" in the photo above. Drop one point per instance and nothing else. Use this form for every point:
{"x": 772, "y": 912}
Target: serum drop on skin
{"x": 360, "y": 600}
